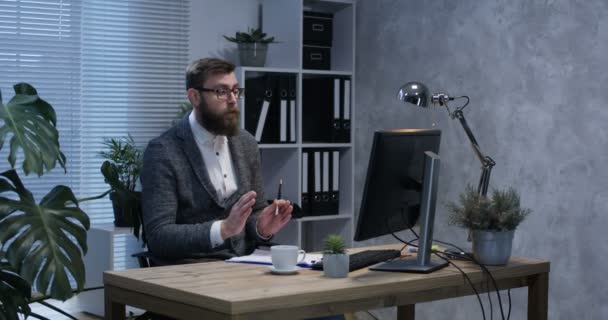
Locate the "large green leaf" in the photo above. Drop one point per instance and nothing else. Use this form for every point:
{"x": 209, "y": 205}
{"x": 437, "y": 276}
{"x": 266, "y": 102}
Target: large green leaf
{"x": 31, "y": 121}
{"x": 43, "y": 250}
{"x": 15, "y": 294}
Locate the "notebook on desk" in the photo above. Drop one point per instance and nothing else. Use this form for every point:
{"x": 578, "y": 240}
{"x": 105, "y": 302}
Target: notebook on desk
{"x": 260, "y": 256}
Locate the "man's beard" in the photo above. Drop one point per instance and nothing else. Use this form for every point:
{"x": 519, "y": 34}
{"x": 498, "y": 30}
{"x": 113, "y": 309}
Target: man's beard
{"x": 224, "y": 124}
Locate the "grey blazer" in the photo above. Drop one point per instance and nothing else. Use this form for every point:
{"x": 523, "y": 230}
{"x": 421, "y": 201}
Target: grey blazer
{"x": 180, "y": 203}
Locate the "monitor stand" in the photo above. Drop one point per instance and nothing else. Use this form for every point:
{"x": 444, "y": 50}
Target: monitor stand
{"x": 409, "y": 265}
{"x": 422, "y": 263}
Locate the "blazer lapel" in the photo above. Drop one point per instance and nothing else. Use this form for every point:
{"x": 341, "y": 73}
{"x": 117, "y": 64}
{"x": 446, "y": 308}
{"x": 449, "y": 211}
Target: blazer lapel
{"x": 184, "y": 132}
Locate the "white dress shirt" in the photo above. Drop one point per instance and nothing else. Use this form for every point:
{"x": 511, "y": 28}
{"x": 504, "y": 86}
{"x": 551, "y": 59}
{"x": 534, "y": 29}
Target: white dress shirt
{"x": 216, "y": 155}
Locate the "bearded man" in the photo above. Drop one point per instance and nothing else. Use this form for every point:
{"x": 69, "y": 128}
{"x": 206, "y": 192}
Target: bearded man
{"x": 201, "y": 181}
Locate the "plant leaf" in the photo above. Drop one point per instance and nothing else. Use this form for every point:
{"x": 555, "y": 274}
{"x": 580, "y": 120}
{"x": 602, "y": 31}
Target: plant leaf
{"x": 43, "y": 250}
{"x": 184, "y": 108}
{"x": 110, "y": 173}
{"x": 31, "y": 121}
{"x": 15, "y": 294}
{"x": 252, "y": 35}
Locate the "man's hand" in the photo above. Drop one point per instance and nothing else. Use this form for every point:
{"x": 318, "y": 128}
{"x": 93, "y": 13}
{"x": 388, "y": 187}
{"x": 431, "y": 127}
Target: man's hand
{"x": 268, "y": 223}
{"x": 236, "y": 220}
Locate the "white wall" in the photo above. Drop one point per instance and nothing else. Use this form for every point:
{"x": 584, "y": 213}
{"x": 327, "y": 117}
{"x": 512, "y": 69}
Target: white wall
{"x": 210, "y": 19}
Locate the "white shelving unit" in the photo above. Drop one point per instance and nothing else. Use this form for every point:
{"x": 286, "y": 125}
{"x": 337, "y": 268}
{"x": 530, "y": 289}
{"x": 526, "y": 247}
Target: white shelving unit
{"x": 283, "y": 19}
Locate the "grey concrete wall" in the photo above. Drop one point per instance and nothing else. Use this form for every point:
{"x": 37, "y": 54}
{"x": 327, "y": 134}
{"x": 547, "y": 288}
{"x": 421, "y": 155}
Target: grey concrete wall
{"x": 536, "y": 72}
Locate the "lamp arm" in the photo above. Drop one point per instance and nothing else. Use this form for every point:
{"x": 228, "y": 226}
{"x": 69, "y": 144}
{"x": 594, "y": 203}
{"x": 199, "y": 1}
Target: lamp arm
{"x": 486, "y": 162}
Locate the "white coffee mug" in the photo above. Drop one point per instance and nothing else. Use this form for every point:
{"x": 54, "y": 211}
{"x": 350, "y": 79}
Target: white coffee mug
{"x": 286, "y": 257}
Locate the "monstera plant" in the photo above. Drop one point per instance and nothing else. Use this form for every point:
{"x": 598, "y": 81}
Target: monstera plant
{"x": 41, "y": 244}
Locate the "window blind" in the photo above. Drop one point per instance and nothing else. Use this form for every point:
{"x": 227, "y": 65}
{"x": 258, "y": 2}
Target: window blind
{"x": 40, "y": 45}
{"x": 134, "y": 56}
{"x": 108, "y": 67}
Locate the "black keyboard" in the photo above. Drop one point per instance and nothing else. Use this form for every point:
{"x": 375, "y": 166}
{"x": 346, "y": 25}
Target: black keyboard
{"x": 365, "y": 258}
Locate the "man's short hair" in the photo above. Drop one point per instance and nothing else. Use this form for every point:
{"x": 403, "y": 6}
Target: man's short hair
{"x": 199, "y": 71}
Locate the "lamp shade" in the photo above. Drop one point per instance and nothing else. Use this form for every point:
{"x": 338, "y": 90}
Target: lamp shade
{"x": 414, "y": 93}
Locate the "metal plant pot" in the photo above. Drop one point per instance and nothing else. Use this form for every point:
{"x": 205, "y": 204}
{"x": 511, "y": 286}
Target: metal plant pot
{"x": 335, "y": 265}
{"x": 253, "y": 54}
{"x": 491, "y": 247}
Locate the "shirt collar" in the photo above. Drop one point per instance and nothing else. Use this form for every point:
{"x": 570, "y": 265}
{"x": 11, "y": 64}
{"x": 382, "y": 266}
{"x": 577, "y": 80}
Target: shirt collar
{"x": 202, "y": 135}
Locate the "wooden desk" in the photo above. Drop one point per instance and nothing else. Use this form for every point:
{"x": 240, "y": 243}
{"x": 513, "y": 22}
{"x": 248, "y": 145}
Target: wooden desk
{"x": 221, "y": 290}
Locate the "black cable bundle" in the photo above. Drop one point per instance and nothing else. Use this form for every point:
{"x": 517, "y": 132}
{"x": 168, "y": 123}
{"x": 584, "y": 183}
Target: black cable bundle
{"x": 472, "y": 259}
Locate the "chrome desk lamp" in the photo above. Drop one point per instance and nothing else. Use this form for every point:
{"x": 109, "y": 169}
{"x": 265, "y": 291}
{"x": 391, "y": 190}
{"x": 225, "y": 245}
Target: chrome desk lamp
{"x": 418, "y": 94}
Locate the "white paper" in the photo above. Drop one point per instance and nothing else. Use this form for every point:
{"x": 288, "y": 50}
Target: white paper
{"x": 260, "y": 256}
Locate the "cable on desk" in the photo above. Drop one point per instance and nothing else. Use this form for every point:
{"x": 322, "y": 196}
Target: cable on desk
{"x": 485, "y": 269}
{"x": 437, "y": 253}
{"x": 488, "y": 291}
{"x": 372, "y": 315}
{"x": 471, "y": 258}
{"x": 483, "y": 313}
{"x": 509, "y": 295}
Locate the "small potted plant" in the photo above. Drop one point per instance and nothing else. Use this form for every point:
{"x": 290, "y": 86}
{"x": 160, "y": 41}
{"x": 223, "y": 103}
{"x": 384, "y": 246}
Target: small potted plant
{"x": 492, "y": 222}
{"x": 121, "y": 171}
{"x": 252, "y": 46}
{"x": 335, "y": 259}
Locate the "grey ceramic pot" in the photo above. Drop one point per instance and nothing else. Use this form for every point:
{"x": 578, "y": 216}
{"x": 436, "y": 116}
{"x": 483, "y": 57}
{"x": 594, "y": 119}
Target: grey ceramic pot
{"x": 253, "y": 54}
{"x": 335, "y": 265}
{"x": 492, "y": 247}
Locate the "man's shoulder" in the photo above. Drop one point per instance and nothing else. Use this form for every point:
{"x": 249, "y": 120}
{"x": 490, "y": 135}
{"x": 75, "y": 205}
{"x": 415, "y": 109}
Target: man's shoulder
{"x": 245, "y": 137}
{"x": 246, "y": 143}
{"x": 166, "y": 139}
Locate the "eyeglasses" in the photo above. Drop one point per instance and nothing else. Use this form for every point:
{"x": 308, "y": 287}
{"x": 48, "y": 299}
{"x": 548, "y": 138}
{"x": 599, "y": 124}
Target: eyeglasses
{"x": 222, "y": 94}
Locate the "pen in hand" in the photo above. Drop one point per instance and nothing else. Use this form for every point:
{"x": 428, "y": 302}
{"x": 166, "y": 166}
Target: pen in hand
{"x": 276, "y": 210}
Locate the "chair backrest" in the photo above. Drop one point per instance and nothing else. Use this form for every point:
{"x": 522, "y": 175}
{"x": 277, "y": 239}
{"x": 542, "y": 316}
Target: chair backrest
{"x": 143, "y": 258}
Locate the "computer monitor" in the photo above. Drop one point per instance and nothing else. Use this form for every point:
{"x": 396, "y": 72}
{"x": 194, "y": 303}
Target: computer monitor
{"x": 400, "y": 189}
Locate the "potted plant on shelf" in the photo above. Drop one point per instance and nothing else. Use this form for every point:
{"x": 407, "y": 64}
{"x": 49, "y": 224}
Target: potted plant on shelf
{"x": 492, "y": 222}
{"x": 335, "y": 259}
{"x": 41, "y": 243}
{"x": 252, "y": 46}
{"x": 121, "y": 171}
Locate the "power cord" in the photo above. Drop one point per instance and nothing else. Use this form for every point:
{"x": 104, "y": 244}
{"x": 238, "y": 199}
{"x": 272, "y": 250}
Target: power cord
{"x": 509, "y": 295}
{"x": 485, "y": 269}
{"x": 372, "y": 315}
{"x": 483, "y": 313}
{"x": 437, "y": 253}
{"x": 488, "y": 290}
{"x": 469, "y": 258}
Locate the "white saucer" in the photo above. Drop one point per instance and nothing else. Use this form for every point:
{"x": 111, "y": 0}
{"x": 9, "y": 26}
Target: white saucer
{"x": 283, "y": 272}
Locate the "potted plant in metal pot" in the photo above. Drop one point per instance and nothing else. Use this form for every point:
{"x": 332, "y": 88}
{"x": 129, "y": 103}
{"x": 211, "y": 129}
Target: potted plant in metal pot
{"x": 335, "y": 259}
{"x": 491, "y": 220}
{"x": 121, "y": 171}
{"x": 252, "y": 46}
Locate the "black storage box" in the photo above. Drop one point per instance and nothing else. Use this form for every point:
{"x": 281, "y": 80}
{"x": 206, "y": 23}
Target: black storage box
{"x": 318, "y": 29}
{"x": 318, "y": 58}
